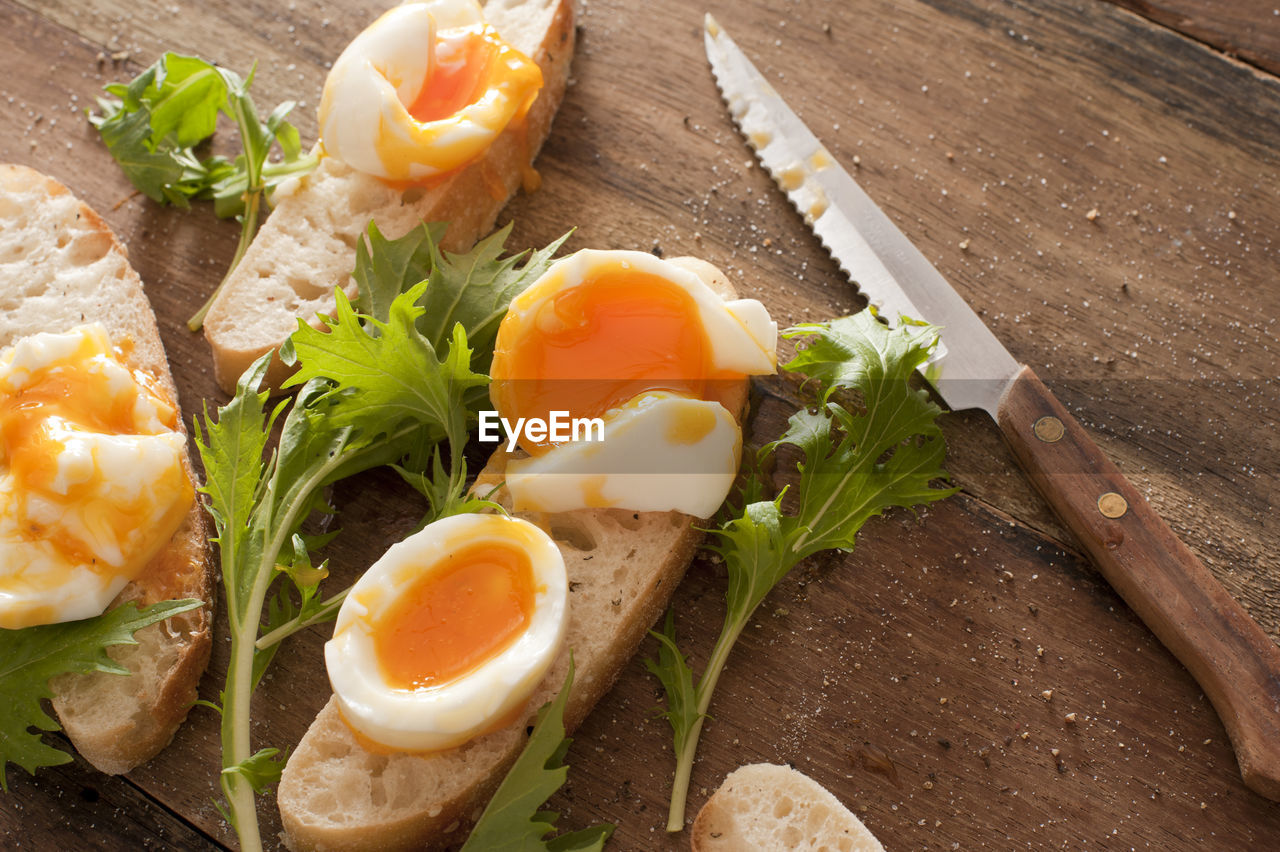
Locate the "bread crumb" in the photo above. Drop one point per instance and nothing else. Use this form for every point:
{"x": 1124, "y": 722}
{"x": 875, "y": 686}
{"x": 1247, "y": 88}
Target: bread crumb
{"x": 1070, "y": 718}
{"x": 1047, "y": 695}
{"x": 964, "y": 245}
{"x": 1092, "y": 214}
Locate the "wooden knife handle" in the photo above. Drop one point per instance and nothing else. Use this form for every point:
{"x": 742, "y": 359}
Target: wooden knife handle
{"x": 1234, "y": 661}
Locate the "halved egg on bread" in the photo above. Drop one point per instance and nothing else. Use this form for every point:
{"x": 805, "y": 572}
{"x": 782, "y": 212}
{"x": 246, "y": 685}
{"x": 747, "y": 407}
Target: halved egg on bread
{"x": 92, "y": 476}
{"x": 423, "y": 91}
{"x": 447, "y": 635}
{"x": 648, "y": 347}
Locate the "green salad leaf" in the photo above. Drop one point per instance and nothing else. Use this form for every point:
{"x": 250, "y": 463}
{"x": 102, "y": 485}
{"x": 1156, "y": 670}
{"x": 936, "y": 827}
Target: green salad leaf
{"x": 513, "y": 820}
{"x": 30, "y": 657}
{"x": 861, "y": 456}
{"x": 154, "y": 124}
{"x": 372, "y": 391}
{"x": 471, "y": 289}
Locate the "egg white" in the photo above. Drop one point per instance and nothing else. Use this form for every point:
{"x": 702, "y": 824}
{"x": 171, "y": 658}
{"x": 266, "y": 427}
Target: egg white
{"x": 642, "y": 464}
{"x": 364, "y": 121}
{"x": 639, "y": 465}
{"x": 449, "y": 714}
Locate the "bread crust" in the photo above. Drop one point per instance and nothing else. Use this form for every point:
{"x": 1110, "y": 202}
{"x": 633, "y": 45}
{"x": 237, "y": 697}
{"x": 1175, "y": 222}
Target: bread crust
{"x": 623, "y": 567}
{"x": 763, "y": 807}
{"x": 307, "y": 246}
{"x": 65, "y": 268}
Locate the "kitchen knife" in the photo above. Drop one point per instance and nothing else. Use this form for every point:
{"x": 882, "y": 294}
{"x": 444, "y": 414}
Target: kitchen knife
{"x": 1235, "y": 662}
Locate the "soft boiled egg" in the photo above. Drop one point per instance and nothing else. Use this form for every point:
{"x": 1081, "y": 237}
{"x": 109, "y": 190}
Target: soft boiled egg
{"x": 447, "y": 635}
{"x": 423, "y": 91}
{"x": 646, "y": 346}
{"x": 92, "y": 481}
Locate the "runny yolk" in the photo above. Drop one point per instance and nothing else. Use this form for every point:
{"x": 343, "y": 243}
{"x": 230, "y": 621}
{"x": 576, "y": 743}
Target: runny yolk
{"x": 617, "y": 335}
{"x": 70, "y": 392}
{"x": 461, "y": 613}
{"x": 460, "y": 75}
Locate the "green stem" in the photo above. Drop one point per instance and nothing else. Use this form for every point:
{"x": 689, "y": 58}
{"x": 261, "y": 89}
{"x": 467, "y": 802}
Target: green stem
{"x": 236, "y": 746}
{"x": 255, "y": 156}
{"x": 688, "y": 749}
{"x": 327, "y": 611}
{"x": 249, "y": 227}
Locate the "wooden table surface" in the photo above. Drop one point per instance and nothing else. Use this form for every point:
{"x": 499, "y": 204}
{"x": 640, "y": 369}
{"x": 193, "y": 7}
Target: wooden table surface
{"x": 988, "y": 129}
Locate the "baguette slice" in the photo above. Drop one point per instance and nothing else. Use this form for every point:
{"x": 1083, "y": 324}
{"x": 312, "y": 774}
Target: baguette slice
{"x": 768, "y": 808}
{"x": 623, "y": 568}
{"x": 62, "y": 266}
{"x": 307, "y": 246}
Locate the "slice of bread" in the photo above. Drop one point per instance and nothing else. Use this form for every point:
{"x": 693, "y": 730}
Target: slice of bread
{"x": 623, "y": 568}
{"x": 61, "y": 267}
{"x": 768, "y": 808}
{"x": 307, "y": 246}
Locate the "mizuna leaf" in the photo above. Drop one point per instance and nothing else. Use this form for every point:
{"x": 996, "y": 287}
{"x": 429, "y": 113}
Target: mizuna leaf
{"x": 30, "y": 657}
{"x": 512, "y": 821}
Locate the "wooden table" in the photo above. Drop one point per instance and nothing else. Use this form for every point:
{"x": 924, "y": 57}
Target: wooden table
{"x": 989, "y": 129}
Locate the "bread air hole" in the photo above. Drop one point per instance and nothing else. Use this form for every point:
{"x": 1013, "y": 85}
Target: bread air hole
{"x": 782, "y": 807}
{"x": 570, "y": 531}
{"x": 89, "y": 248}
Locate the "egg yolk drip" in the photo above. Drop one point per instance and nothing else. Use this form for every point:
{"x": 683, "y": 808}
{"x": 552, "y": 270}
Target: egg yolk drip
{"x": 91, "y": 481}
{"x": 618, "y": 334}
{"x": 457, "y": 616}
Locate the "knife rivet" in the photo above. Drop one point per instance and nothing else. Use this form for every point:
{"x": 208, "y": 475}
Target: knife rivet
{"x": 1049, "y": 429}
{"x": 1112, "y": 505}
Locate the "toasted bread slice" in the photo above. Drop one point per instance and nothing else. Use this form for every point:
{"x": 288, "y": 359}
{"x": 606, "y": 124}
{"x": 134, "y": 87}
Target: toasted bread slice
{"x": 62, "y": 267}
{"x": 623, "y": 568}
{"x": 307, "y": 246}
{"x": 768, "y": 808}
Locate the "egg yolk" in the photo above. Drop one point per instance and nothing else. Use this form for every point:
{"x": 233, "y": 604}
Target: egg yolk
{"x": 459, "y": 614}
{"x": 69, "y": 392}
{"x": 618, "y": 334}
{"x": 477, "y": 76}
{"x": 464, "y": 65}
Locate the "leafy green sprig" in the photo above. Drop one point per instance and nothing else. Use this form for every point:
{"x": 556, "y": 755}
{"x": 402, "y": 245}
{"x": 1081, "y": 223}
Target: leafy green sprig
{"x": 384, "y": 387}
{"x": 513, "y": 821}
{"x": 858, "y": 460}
{"x": 32, "y": 656}
{"x": 154, "y": 124}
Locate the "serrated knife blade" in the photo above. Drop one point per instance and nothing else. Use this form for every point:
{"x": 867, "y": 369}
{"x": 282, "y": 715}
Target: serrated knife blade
{"x": 1232, "y": 658}
{"x": 971, "y": 369}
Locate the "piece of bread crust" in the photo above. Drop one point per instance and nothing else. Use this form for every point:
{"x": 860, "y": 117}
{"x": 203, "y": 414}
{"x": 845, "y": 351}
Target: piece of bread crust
{"x": 307, "y": 246}
{"x": 62, "y": 267}
{"x": 766, "y": 808}
{"x": 623, "y": 568}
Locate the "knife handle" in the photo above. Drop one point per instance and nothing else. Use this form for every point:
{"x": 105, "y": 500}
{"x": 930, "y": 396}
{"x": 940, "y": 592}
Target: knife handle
{"x": 1234, "y": 661}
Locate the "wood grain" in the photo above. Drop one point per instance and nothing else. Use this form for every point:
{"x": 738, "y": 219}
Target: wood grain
{"x": 1233, "y": 660}
{"x": 1246, "y": 29}
{"x": 988, "y": 131}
